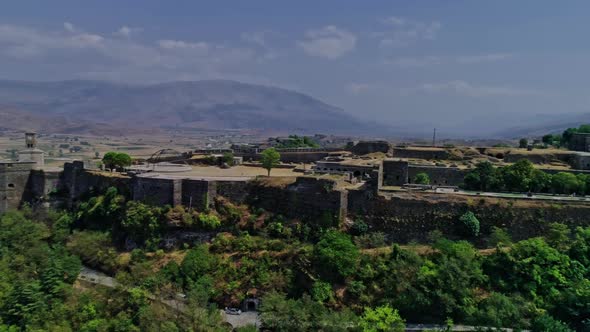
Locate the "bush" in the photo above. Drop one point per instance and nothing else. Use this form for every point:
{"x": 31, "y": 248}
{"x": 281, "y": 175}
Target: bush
{"x": 470, "y": 224}
{"x": 321, "y": 291}
{"x": 359, "y": 227}
{"x": 382, "y": 318}
{"x": 422, "y": 178}
{"x": 372, "y": 240}
{"x": 335, "y": 255}
{"x": 209, "y": 221}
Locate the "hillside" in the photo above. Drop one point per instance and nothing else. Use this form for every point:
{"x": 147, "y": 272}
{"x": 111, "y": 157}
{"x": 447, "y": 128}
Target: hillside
{"x": 214, "y": 104}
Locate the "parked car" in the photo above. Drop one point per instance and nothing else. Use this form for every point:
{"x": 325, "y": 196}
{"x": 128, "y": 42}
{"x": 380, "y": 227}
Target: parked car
{"x": 233, "y": 311}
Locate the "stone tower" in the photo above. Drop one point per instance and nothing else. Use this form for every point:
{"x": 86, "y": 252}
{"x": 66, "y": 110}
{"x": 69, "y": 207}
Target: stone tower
{"x": 31, "y": 153}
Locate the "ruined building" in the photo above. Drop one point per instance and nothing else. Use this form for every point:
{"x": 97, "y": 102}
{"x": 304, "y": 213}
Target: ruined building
{"x": 580, "y": 142}
{"x": 18, "y": 178}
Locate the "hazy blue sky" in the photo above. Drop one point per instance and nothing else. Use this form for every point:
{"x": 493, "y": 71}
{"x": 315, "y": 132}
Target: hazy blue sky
{"x": 436, "y": 63}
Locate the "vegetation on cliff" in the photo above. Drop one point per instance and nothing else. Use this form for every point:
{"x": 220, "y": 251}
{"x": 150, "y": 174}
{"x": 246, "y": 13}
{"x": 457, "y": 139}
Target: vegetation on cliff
{"x": 523, "y": 177}
{"x": 308, "y": 277}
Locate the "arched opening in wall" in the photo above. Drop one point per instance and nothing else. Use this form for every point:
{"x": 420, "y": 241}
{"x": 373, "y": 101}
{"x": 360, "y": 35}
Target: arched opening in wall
{"x": 500, "y": 155}
{"x": 356, "y": 174}
{"x": 11, "y": 185}
{"x": 251, "y": 306}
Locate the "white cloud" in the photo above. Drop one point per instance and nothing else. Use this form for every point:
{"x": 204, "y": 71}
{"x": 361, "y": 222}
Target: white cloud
{"x": 358, "y": 88}
{"x": 69, "y": 27}
{"x": 423, "y": 61}
{"x": 76, "y": 53}
{"x": 328, "y": 42}
{"x": 409, "y": 62}
{"x": 127, "y": 32}
{"x": 463, "y": 88}
{"x": 256, "y": 37}
{"x": 483, "y": 58}
{"x": 169, "y": 44}
{"x": 403, "y": 32}
{"x": 260, "y": 39}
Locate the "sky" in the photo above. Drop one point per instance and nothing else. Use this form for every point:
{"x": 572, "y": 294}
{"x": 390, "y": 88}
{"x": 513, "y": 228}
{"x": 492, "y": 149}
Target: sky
{"x": 460, "y": 66}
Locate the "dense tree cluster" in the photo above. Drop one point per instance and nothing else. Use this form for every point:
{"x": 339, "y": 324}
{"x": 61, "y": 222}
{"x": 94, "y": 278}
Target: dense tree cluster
{"x": 310, "y": 278}
{"x": 523, "y": 177}
{"x": 295, "y": 141}
{"x": 564, "y": 139}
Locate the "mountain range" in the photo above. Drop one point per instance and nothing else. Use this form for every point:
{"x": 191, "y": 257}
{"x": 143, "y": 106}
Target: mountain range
{"x": 98, "y": 107}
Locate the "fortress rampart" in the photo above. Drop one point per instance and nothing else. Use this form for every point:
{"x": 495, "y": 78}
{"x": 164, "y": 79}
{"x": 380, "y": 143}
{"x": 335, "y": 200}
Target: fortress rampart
{"x": 402, "y": 216}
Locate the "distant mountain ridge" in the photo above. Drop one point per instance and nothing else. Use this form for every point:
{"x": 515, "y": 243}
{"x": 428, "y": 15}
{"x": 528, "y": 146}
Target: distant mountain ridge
{"x": 212, "y": 104}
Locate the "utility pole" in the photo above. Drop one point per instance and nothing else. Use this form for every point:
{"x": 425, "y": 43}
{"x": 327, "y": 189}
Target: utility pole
{"x": 434, "y": 137}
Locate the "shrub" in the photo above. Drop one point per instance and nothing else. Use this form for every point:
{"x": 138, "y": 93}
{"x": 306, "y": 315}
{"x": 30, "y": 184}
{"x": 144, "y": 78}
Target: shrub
{"x": 335, "y": 255}
{"x": 422, "y": 178}
{"x": 321, "y": 291}
{"x": 470, "y": 224}
{"x": 209, "y": 221}
{"x": 359, "y": 227}
{"x": 372, "y": 240}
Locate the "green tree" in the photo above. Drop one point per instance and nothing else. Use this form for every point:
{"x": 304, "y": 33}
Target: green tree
{"x": 335, "y": 255}
{"x": 422, "y": 178}
{"x": 540, "y": 181}
{"x": 558, "y": 236}
{"x": 523, "y": 143}
{"x": 470, "y": 223}
{"x": 546, "y": 323}
{"x": 143, "y": 224}
{"x": 382, "y": 319}
{"x": 321, "y": 291}
{"x": 270, "y": 159}
{"x": 484, "y": 177}
{"x": 549, "y": 139}
{"x": 116, "y": 160}
{"x": 518, "y": 176}
{"x": 501, "y": 311}
{"x": 534, "y": 269}
{"x": 228, "y": 158}
{"x": 197, "y": 262}
{"x": 564, "y": 183}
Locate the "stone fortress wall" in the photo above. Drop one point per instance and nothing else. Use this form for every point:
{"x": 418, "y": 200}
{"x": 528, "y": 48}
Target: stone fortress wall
{"x": 15, "y": 182}
{"x": 401, "y": 172}
{"x": 402, "y": 216}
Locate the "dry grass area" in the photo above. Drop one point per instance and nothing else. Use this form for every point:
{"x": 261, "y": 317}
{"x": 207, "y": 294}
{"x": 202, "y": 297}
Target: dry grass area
{"x": 279, "y": 182}
{"x": 420, "y": 249}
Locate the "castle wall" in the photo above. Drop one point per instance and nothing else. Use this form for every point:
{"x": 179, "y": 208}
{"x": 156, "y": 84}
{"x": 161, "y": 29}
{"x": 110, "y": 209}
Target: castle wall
{"x": 14, "y": 184}
{"x": 394, "y": 172}
{"x": 79, "y": 182}
{"x": 581, "y": 161}
{"x": 157, "y": 191}
{"x": 580, "y": 142}
{"x": 442, "y": 176}
{"x": 420, "y": 153}
{"x": 366, "y": 147}
{"x": 306, "y": 198}
{"x": 404, "y": 218}
{"x": 197, "y": 194}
